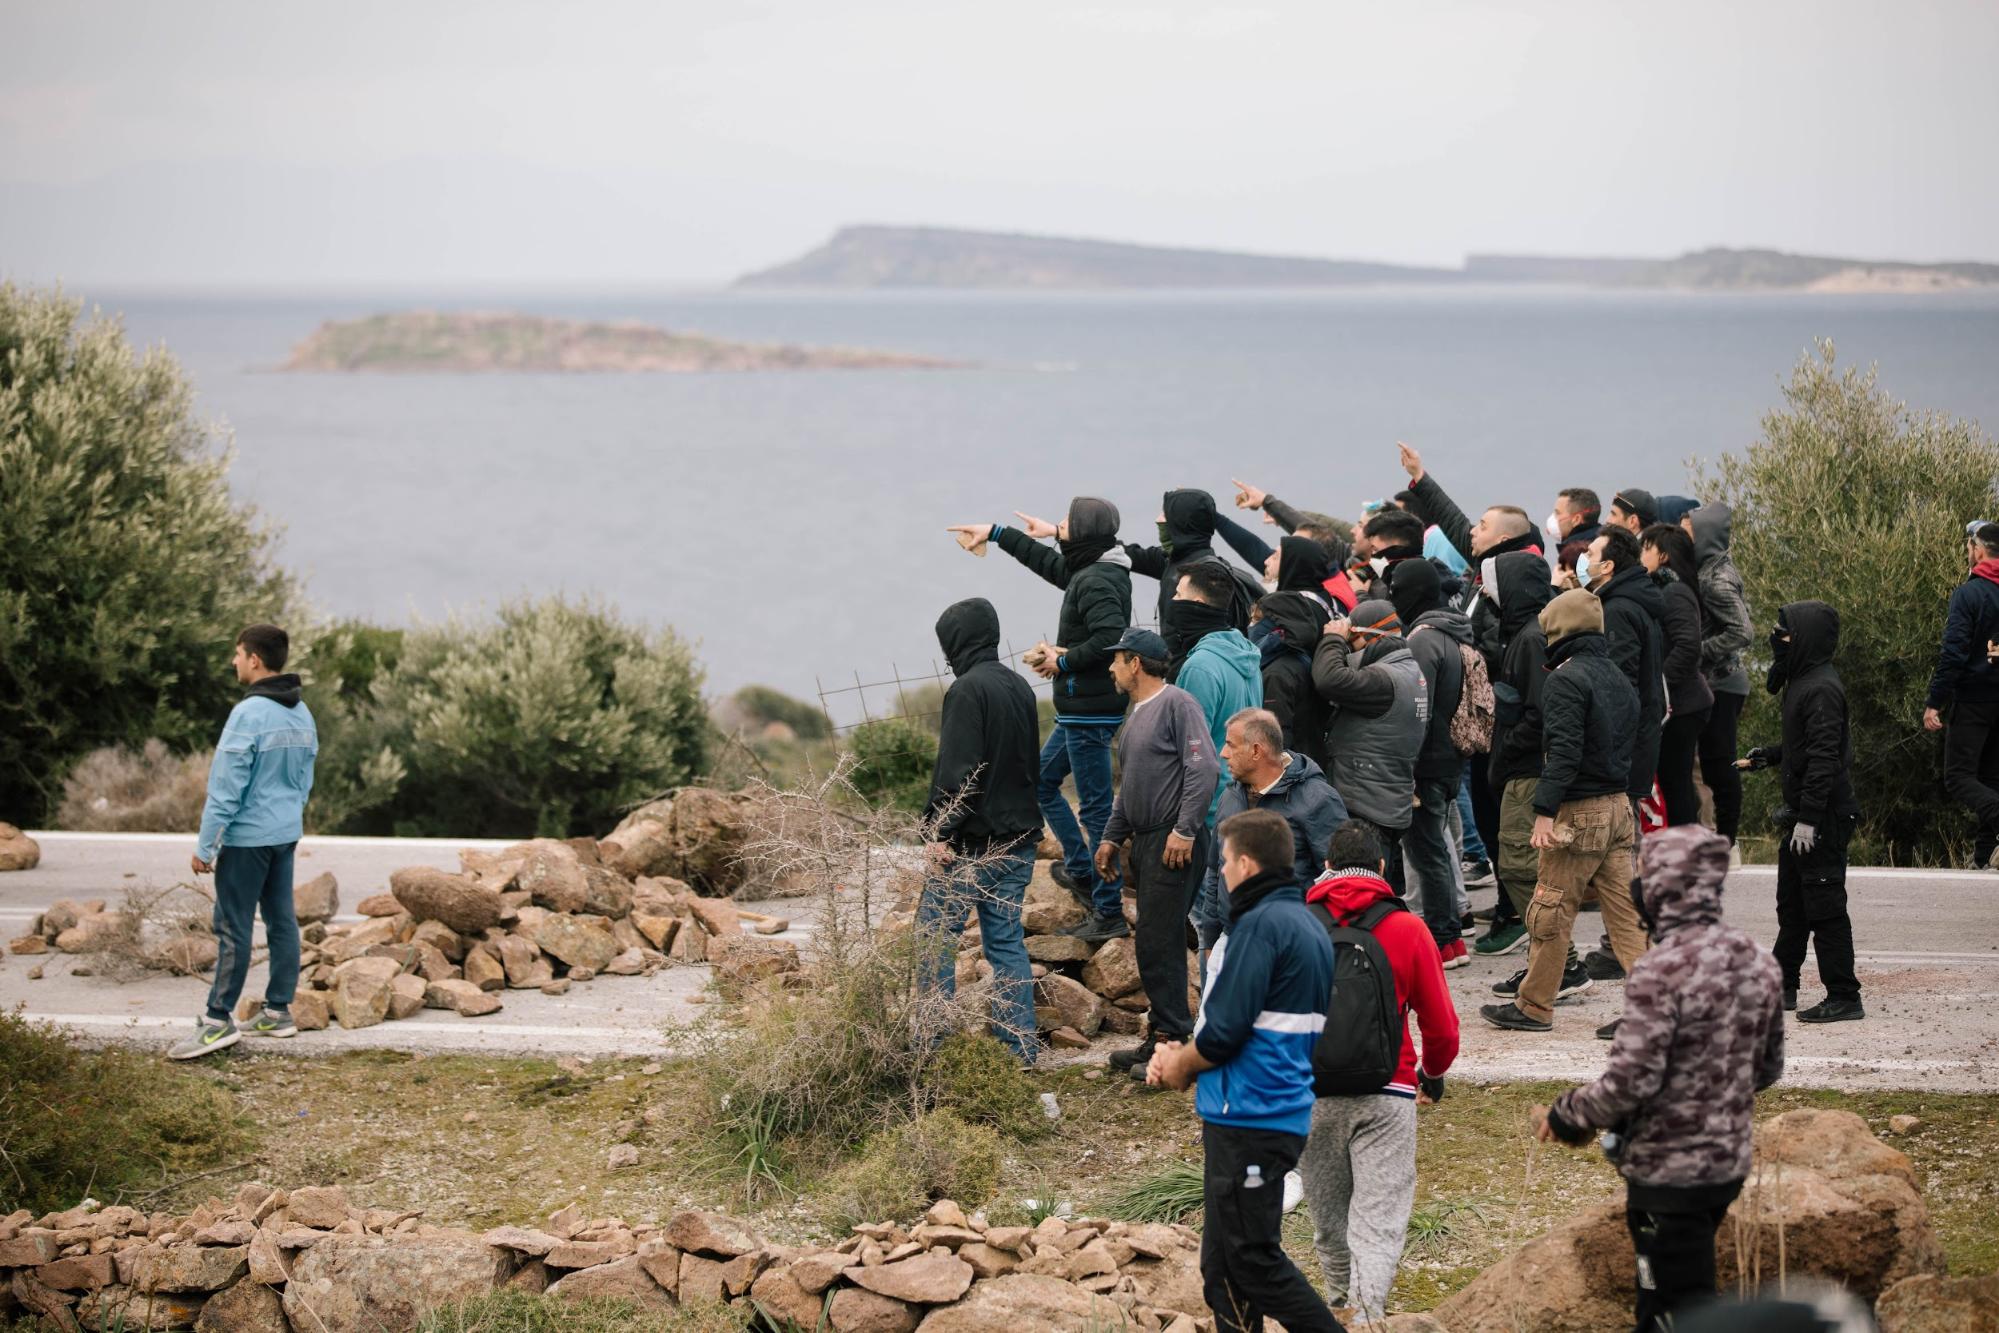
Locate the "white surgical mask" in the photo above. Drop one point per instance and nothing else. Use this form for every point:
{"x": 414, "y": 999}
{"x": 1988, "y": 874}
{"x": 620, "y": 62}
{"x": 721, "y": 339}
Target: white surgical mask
{"x": 1582, "y": 570}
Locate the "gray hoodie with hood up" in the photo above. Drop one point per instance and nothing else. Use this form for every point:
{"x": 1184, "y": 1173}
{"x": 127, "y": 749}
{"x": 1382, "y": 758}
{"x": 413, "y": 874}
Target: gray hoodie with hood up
{"x": 1728, "y": 633}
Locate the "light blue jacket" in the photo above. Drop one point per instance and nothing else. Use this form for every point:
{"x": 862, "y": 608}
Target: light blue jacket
{"x": 262, "y": 772}
{"x": 1224, "y": 673}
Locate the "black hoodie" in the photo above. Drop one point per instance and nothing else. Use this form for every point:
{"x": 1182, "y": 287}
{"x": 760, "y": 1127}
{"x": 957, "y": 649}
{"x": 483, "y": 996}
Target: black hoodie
{"x": 988, "y": 740}
{"x": 1634, "y": 622}
{"x": 1816, "y": 758}
{"x": 1189, "y": 537}
{"x": 1296, "y": 622}
{"x": 1520, "y": 582}
{"x": 283, "y": 689}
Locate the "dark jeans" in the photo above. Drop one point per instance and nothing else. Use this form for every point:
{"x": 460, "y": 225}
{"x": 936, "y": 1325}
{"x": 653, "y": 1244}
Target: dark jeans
{"x": 1673, "y": 1230}
{"x": 1245, "y": 1274}
{"x": 1971, "y": 766}
{"x": 1811, "y": 906}
{"x": 996, "y": 890}
{"x": 247, "y": 880}
{"x": 1718, "y": 770}
{"x": 1677, "y": 747}
{"x": 1485, "y": 815}
{"x": 1081, "y": 751}
{"x": 1430, "y": 860}
{"x": 1473, "y": 836}
{"x": 1165, "y": 897}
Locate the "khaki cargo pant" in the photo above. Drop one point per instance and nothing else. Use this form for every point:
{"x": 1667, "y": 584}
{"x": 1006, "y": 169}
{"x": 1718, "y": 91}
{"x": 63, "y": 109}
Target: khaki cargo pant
{"x": 1596, "y": 841}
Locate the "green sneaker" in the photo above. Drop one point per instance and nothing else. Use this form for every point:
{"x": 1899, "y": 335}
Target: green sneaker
{"x": 273, "y": 1023}
{"x": 210, "y": 1037}
{"x": 1500, "y": 940}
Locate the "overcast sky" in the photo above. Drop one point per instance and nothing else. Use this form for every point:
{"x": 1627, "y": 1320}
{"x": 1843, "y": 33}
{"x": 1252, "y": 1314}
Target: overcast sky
{"x": 197, "y": 143}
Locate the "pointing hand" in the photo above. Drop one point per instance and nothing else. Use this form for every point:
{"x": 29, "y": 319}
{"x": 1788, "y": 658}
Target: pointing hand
{"x": 1412, "y": 462}
{"x": 1037, "y": 528}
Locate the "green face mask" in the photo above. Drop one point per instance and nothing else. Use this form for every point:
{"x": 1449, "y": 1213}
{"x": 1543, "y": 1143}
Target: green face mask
{"x": 1165, "y": 541}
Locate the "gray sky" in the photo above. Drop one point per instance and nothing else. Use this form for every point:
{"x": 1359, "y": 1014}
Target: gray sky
{"x": 197, "y": 142}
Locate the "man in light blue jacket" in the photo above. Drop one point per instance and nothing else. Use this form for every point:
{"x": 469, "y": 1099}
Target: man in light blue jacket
{"x": 257, "y": 788}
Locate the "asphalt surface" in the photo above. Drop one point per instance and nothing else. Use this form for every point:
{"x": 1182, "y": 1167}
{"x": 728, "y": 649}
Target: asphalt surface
{"x": 1928, "y": 940}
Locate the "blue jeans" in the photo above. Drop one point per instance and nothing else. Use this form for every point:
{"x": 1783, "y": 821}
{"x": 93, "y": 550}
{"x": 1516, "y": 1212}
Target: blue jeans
{"x": 996, "y": 891}
{"x": 1474, "y": 845}
{"x": 248, "y": 879}
{"x": 1081, "y": 750}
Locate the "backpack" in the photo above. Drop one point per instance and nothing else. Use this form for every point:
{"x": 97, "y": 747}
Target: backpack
{"x": 1471, "y": 724}
{"x": 1361, "y": 1047}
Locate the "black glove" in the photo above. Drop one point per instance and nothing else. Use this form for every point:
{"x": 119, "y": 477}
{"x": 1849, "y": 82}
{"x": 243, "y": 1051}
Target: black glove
{"x": 1432, "y": 1085}
{"x": 1758, "y": 758}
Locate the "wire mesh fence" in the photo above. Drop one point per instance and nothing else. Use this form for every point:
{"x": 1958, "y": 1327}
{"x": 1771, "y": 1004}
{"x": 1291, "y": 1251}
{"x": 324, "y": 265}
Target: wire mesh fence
{"x": 912, "y": 695}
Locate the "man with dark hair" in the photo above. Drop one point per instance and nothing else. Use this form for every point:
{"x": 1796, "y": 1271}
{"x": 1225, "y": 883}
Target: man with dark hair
{"x": 1223, "y": 671}
{"x": 1264, "y": 776}
{"x": 1815, "y": 763}
{"x": 1634, "y": 615}
{"x": 983, "y": 819}
{"x": 1364, "y": 670}
{"x": 1633, "y": 510}
{"x": 1578, "y": 518}
{"x": 1966, "y": 685}
{"x": 1360, "y": 1162}
{"x": 1094, "y": 573}
{"x": 1269, "y": 981}
{"x": 258, "y": 784}
{"x": 1436, "y": 636}
{"x": 1701, "y": 1036}
{"x": 1170, "y": 779}
{"x": 1517, "y": 586}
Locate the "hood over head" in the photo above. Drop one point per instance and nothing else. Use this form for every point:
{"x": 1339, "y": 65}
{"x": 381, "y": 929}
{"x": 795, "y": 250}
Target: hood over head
{"x": 1093, "y": 526}
{"x": 1713, "y": 526}
{"x": 1295, "y": 621}
{"x": 1376, "y": 616}
{"x": 1672, "y": 507}
{"x": 1190, "y": 520}
{"x": 1415, "y": 587}
{"x": 1814, "y": 630}
{"x": 1302, "y": 565}
{"x": 969, "y": 633}
{"x": 1519, "y": 580}
{"x": 1576, "y": 611}
{"x": 1680, "y": 874}
{"x": 282, "y": 689}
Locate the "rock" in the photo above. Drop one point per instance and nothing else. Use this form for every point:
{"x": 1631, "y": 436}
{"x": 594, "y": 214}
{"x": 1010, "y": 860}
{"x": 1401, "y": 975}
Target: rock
{"x": 1120, "y": 1023}
{"x": 701, "y": 1280}
{"x": 247, "y": 1307}
{"x": 662, "y": 1261}
{"x": 358, "y": 940}
{"x": 629, "y": 963}
{"x": 579, "y": 941}
{"x": 1078, "y": 1006}
{"x": 189, "y": 1267}
{"x": 439, "y": 937}
{"x": 318, "y": 899}
{"x": 461, "y": 997}
{"x": 270, "y": 1264}
{"x": 323, "y": 1207}
{"x": 61, "y": 914}
{"x": 1113, "y": 969}
{"x": 925, "y": 1279}
{"x": 587, "y": 1253}
{"x": 1068, "y": 1039}
{"x": 82, "y": 1272}
{"x": 1904, "y": 1125}
{"x": 518, "y": 957}
{"x": 623, "y": 1156}
{"x": 361, "y": 991}
{"x": 606, "y": 892}
{"x": 522, "y": 1240}
{"x": 623, "y": 1279}
{"x": 854, "y": 1310}
{"x": 552, "y": 876}
{"x": 705, "y": 832}
{"x": 1023, "y": 1301}
{"x": 820, "y": 1270}
{"x": 23, "y": 944}
{"x": 379, "y": 904}
{"x": 1058, "y": 949}
{"x": 432, "y": 965}
{"x": 717, "y": 916}
{"x": 458, "y": 901}
{"x": 987, "y": 1262}
{"x": 372, "y": 1284}
{"x": 187, "y": 953}
{"x": 124, "y": 1308}
{"x": 18, "y": 851}
{"x": 752, "y": 962}
{"x": 406, "y": 995}
{"x": 310, "y": 1011}
{"x": 712, "y": 1234}
{"x": 784, "y": 1296}
{"x": 497, "y": 872}
{"x": 91, "y": 931}
{"x": 1048, "y": 909}
{"x": 484, "y": 970}
{"x": 1933, "y": 1304}
{"x": 741, "y": 1272}
{"x": 559, "y": 986}
{"x": 657, "y": 930}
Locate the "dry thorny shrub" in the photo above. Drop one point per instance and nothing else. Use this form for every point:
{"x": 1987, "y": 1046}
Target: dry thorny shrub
{"x": 154, "y": 930}
{"x": 850, "y": 1052}
{"x": 153, "y": 790}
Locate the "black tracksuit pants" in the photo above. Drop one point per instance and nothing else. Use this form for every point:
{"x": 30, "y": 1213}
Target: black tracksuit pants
{"x": 1971, "y": 766}
{"x": 1165, "y": 896}
{"x": 1678, "y": 745}
{"x": 1245, "y": 1274}
{"x": 1811, "y": 907}
{"x": 1673, "y": 1230}
{"x": 1718, "y": 770}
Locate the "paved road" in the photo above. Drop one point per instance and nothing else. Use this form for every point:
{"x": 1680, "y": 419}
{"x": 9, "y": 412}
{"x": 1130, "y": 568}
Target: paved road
{"x": 1929, "y": 962}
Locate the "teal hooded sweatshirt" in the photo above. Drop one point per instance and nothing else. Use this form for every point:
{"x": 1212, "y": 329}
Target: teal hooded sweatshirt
{"x": 1224, "y": 673}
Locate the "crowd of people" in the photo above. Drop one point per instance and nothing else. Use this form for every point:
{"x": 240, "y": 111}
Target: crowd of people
{"x": 1322, "y": 747}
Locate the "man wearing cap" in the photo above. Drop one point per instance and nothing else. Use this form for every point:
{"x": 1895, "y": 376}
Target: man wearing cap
{"x": 1366, "y": 673}
{"x": 1170, "y": 774}
{"x": 1963, "y": 700}
{"x": 1634, "y": 509}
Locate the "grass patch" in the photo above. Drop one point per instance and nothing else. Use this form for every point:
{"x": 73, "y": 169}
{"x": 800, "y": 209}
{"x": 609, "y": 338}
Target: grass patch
{"x": 518, "y": 1312}
{"x": 902, "y": 1171}
{"x": 109, "y": 1122}
{"x": 1168, "y": 1195}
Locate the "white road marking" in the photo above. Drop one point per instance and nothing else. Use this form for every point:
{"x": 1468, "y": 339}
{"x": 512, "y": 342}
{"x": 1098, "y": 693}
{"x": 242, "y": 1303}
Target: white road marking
{"x": 438, "y": 1028}
{"x": 309, "y": 842}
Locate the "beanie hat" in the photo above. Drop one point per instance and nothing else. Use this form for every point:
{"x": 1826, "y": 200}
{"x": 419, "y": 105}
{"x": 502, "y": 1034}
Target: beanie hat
{"x": 1415, "y": 587}
{"x": 1576, "y": 611}
{"x": 1376, "y": 616}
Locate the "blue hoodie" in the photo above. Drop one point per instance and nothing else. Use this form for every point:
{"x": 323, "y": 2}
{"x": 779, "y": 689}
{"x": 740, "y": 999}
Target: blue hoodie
{"x": 1270, "y": 982}
{"x": 262, "y": 771}
{"x": 1224, "y": 673}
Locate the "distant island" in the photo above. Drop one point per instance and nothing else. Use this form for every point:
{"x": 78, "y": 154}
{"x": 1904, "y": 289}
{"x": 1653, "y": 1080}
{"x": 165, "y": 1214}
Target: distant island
{"x": 883, "y": 256}
{"x": 429, "y": 340}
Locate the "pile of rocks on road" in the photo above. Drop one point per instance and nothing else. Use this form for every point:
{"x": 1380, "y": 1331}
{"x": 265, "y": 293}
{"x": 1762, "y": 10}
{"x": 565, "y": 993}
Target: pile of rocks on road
{"x": 18, "y": 851}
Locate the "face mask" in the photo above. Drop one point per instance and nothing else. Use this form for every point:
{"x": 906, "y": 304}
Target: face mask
{"x": 1582, "y": 570}
{"x": 1165, "y": 542}
{"x": 1379, "y": 564}
{"x": 1553, "y": 527}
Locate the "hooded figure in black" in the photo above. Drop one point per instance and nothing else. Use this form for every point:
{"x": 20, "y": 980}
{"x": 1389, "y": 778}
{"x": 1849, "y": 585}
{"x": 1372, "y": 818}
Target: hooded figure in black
{"x": 1516, "y": 584}
{"x": 1094, "y": 573}
{"x": 1634, "y": 624}
{"x": 1302, "y": 567}
{"x": 988, "y": 740}
{"x": 1186, "y": 536}
{"x": 1293, "y": 623}
{"x": 1815, "y": 763}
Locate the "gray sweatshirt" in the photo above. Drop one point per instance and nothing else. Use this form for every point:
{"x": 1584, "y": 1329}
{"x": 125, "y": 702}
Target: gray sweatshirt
{"x": 1169, "y": 765}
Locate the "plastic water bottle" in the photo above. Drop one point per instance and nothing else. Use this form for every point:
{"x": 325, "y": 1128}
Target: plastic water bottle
{"x": 1253, "y": 1180}
{"x": 1050, "y": 1107}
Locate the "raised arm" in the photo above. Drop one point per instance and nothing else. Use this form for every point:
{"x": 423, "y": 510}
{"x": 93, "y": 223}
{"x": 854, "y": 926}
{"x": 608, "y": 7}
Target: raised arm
{"x": 1434, "y": 506}
{"x": 1242, "y": 541}
{"x": 1043, "y": 559}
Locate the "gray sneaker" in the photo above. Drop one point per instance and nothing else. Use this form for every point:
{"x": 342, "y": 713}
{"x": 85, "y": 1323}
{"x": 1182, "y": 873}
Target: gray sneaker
{"x": 273, "y": 1023}
{"x": 209, "y": 1037}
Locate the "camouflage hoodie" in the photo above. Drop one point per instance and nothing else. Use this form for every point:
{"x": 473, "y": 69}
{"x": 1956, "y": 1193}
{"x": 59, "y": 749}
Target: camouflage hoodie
{"x": 1703, "y": 1031}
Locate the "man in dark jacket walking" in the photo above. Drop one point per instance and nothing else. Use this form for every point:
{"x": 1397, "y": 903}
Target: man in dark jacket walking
{"x": 1701, "y": 1036}
{"x": 1965, "y": 686}
{"x": 1263, "y": 775}
{"x": 1292, "y": 626}
{"x": 1584, "y": 827}
{"x": 1634, "y": 615}
{"x": 1435, "y": 635}
{"x": 1517, "y": 586}
{"x": 1815, "y": 764}
{"x": 1724, "y": 638}
{"x": 1367, "y": 675}
{"x": 983, "y": 818}
{"x": 1094, "y": 573}
{"x": 1668, "y": 554}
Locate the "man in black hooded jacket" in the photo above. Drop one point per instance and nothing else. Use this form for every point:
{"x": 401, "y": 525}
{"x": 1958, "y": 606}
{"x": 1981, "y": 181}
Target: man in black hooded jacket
{"x": 1815, "y": 763}
{"x": 1294, "y": 624}
{"x": 984, "y": 818}
{"x": 1187, "y": 536}
{"x": 1516, "y": 584}
{"x": 1634, "y": 620}
{"x": 1094, "y": 573}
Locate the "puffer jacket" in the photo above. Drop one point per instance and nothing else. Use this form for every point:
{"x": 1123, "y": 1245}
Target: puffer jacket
{"x": 1702, "y": 1032}
{"x": 1634, "y": 615}
{"x": 1588, "y": 709}
{"x": 1727, "y": 634}
{"x": 1518, "y": 585}
{"x": 1380, "y": 715}
{"x": 1096, "y": 609}
{"x": 1292, "y": 625}
{"x": 1308, "y": 803}
{"x": 1686, "y": 688}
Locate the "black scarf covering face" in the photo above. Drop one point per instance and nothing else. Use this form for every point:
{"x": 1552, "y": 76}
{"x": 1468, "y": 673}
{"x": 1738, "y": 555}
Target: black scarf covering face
{"x": 1093, "y": 526}
{"x": 1187, "y": 623}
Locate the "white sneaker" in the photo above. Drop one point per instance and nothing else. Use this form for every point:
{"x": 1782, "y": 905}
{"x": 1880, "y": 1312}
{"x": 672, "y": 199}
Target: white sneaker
{"x": 1734, "y": 857}
{"x": 1294, "y": 1190}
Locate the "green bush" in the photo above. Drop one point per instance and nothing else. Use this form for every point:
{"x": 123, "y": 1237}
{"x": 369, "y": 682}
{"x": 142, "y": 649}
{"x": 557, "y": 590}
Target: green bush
{"x": 764, "y": 704}
{"x": 1852, "y": 499}
{"x": 106, "y": 1121}
{"x": 902, "y": 1171}
{"x": 980, "y": 1080}
{"x": 551, "y": 719}
{"x": 128, "y": 569}
{"x": 893, "y": 760}
{"x": 522, "y": 1312}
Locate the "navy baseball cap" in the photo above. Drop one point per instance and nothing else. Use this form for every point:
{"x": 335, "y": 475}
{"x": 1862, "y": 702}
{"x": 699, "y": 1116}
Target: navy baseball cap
{"x": 1142, "y": 643}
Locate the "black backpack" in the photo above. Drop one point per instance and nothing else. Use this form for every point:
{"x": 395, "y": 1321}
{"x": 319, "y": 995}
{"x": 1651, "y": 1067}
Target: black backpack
{"x": 1362, "y": 1045}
